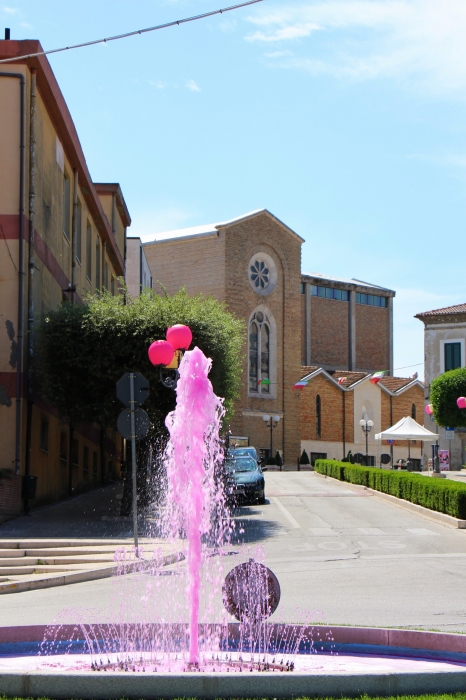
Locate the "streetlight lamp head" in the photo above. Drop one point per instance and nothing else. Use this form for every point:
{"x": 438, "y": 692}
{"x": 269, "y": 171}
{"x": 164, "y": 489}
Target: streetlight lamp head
{"x": 266, "y": 418}
{"x": 370, "y": 423}
{"x": 362, "y": 423}
{"x": 276, "y": 419}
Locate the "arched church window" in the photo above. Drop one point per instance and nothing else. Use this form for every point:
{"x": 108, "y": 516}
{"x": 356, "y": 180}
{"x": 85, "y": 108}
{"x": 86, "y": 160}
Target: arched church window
{"x": 318, "y": 416}
{"x": 413, "y": 411}
{"x": 259, "y": 353}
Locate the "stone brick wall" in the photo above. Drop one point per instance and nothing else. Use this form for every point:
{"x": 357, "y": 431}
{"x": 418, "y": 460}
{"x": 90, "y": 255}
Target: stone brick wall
{"x": 329, "y": 332}
{"x": 195, "y": 263}
{"x": 262, "y": 233}
{"x": 401, "y": 407}
{"x": 372, "y": 338}
{"x": 331, "y": 398}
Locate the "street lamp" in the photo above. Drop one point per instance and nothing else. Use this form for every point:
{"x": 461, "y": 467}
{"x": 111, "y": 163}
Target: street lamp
{"x": 271, "y": 422}
{"x": 366, "y": 426}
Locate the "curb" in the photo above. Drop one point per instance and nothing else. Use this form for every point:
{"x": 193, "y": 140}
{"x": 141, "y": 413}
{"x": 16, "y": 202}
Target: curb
{"x": 81, "y": 576}
{"x": 413, "y": 507}
{"x": 99, "y": 686}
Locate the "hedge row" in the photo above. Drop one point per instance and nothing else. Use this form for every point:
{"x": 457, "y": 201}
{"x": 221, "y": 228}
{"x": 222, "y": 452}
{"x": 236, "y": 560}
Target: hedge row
{"x": 442, "y": 495}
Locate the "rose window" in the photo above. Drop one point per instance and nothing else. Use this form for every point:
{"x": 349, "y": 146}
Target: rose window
{"x": 259, "y": 274}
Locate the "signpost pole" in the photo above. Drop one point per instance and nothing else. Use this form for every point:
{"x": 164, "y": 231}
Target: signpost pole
{"x": 133, "y": 454}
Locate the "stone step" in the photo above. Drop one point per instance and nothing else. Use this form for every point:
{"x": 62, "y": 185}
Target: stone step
{"x": 20, "y": 562}
{"x": 50, "y": 543}
{"x": 11, "y": 553}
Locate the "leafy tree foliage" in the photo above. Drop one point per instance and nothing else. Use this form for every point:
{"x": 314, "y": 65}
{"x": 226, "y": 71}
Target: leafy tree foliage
{"x": 444, "y": 391}
{"x": 84, "y": 350}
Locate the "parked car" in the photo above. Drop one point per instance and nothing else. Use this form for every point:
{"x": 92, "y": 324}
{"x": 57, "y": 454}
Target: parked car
{"x": 244, "y": 452}
{"x": 244, "y": 479}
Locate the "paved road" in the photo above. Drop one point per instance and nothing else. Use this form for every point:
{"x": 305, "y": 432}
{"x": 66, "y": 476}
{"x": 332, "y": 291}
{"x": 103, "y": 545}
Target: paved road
{"x": 341, "y": 555}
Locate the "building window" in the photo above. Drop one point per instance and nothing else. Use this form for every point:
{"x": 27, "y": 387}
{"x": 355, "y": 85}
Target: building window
{"x": 112, "y": 286}
{"x": 88, "y": 251}
{"x": 63, "y": 448}
{"x": 78, "y": 246}
{"x": 371, "y": 300}
{"x": 44, "y": 434}
{"x": 86, "y": 463}
{"x": 318, "y": 416}
{"x": 262, "y": 273}
{"x": 452, "y": 356}
{"x": 259, "y": 354}
{"x": 317, "y": 455}
{"x": 329, "y": 293}
{"x": 302, "y": 288}
{"x": 413, "y": 411}
{"x": 97, "y": 263}
{"x": 105, "y": 275}
{"x": 95, "y": 470}
{"x": 66, "y": 208}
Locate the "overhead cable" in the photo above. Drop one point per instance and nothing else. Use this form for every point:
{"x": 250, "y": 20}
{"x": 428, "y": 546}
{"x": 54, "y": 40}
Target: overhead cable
{"x": 127, "y": 34}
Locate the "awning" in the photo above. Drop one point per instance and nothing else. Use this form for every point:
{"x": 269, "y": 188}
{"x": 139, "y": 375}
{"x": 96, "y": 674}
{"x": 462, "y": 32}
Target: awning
{"x": 406, "y": 429}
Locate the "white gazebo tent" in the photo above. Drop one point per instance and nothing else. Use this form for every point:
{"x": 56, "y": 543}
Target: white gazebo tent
{"x": 407, "y": 429}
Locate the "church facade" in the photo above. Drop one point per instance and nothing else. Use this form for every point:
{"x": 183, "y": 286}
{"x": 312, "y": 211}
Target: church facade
{"x": 253, "y": 264}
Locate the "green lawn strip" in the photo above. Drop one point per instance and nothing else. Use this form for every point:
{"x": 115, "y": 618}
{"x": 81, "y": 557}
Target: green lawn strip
{"x": 442, "y": 495}
{"x": 436, "y": 696}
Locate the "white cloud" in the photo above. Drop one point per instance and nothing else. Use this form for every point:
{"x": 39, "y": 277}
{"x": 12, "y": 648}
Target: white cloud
{"x": 277, "y": 54}
{"x": 421, "y": 40}
{"x": 159, "y": 84}
{"x": 26, "y": 25}
{"x": 192, "y": 85}
{"x": 10, "y": 10}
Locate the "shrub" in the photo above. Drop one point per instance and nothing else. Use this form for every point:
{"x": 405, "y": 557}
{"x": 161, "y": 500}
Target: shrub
{"x": 304, "y": 459}
{"x": 272, "y": 461}
{"x": 278, "y": 459}
{"x": 436, "y": 494}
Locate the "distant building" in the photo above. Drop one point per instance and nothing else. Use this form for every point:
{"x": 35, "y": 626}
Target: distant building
{"x": 138, "y": 275}
{"x": 347, "y": 324}
{"x": 444, "y": 349}
{"x": 61, "y": 238}
{"x": 333, "y": 403}
{"x": 253, "y": 263}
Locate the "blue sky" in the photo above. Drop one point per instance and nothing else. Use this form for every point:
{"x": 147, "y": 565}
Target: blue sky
{"x": 345, "y": 118}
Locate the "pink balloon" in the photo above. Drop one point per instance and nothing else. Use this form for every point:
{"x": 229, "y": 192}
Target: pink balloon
{"x": 179, "y": 337}
{"x": 461, "y": 402}
{"x": 429, "y": 409}
{"x": 161, "y": 352}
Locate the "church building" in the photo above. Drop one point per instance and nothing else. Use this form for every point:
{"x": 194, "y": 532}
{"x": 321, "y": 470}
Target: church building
{"x": 253, "y": 263}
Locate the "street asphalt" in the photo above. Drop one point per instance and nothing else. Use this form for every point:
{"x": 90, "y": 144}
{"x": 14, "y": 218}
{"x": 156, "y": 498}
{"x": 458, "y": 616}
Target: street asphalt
{"x": 342, "y": 555}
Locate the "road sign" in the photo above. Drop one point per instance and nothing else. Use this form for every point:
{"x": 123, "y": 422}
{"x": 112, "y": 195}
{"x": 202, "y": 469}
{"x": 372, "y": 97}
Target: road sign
{"x": 141, "y": 423}
{"x": 391, "y": 442}
{"x": 449, "y": 433}
{"x": 141, "y": 389}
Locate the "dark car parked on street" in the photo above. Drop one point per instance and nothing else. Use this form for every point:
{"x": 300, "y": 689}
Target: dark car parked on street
{"x": 244, "y": 479}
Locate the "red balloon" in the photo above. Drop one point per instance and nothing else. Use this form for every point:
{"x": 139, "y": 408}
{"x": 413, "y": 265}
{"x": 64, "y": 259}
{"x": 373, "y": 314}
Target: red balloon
{"x": 161, "y": 352}
{"x": 461, "y": 402}
{"x": 179, "y": 337}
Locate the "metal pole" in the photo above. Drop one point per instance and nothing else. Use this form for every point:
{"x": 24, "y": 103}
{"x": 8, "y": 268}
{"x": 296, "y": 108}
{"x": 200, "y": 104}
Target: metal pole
{"x": 367, "y": 449}
{"x": 133, "y": 454}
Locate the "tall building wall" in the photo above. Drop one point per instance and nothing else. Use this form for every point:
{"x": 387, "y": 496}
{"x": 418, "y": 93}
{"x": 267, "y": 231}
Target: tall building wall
{"x": 198, "y": 264}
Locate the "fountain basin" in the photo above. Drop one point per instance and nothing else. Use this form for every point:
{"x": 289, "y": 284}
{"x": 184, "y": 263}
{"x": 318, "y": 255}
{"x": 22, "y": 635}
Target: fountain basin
{"x": 345, "y": 661}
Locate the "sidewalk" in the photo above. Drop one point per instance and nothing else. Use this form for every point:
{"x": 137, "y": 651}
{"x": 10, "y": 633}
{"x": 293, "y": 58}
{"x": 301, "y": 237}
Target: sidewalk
{"x": 76, "y": 517}
{"x": 73, "y": 541}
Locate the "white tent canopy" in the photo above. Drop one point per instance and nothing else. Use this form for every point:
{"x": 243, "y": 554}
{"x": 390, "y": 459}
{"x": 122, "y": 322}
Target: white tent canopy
{"x": 406, "y": 429}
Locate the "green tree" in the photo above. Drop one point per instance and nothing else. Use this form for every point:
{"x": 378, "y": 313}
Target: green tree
{"x": 304, "y": 459}
{"x": 84, "y": 350}
{"x": 444, "y": 391}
